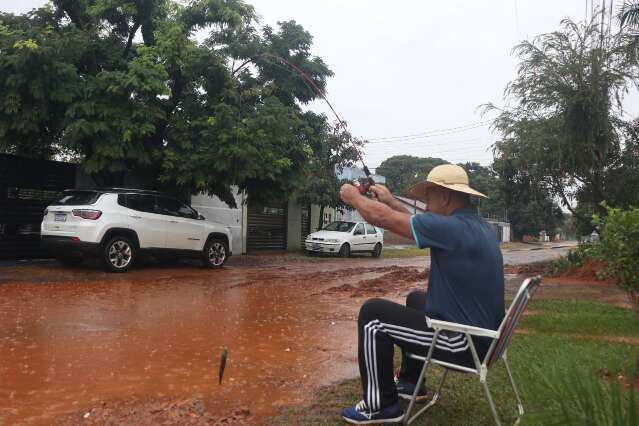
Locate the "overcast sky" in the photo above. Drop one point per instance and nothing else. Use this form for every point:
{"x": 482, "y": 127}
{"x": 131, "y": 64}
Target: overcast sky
{"x": 413, "y": 67}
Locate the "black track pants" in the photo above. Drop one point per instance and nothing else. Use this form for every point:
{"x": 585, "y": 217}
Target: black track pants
{"x": 383, "y": 324}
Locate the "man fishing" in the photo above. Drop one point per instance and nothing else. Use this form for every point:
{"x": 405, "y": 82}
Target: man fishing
{"x": 466, "y": 285}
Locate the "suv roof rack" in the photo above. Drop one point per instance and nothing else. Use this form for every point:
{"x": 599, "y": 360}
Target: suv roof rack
{"x": 119, "y": 190}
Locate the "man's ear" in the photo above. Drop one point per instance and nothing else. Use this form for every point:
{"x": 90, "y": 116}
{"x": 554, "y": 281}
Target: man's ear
{"x": 448, "y": 197}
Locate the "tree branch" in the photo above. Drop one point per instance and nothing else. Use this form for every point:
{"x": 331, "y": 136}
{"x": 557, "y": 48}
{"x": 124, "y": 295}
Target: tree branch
{"x": 241, "y": 66}
{"x": 134, "y": 29}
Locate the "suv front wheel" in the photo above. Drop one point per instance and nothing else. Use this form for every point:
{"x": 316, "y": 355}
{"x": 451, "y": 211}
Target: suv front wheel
{"x": 215, "y": 253}
{"x": 118, "y": 254}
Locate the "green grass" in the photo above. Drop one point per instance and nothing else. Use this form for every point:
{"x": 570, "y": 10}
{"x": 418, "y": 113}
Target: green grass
{"x": 537, "y": 359}
{"x": 584, "y": 317}
{"x": 412, "y": 251}
{"x": 405, "y": 252}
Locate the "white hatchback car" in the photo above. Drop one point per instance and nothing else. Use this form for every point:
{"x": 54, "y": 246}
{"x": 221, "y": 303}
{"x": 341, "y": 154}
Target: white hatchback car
{"x": 344, "y": 238}
{"x": 117, "y": 225}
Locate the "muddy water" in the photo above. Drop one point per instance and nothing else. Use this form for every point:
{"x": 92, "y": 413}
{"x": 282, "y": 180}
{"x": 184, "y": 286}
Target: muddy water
{"x": 71, "y": 339}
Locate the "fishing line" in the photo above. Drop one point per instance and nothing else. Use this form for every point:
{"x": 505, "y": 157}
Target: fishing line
{"x": 307, "y": 79}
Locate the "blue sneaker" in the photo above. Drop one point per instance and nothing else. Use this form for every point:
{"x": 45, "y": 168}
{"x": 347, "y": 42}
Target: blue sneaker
{"x": 405, "y": 390}
{"x": 359, "y": 414}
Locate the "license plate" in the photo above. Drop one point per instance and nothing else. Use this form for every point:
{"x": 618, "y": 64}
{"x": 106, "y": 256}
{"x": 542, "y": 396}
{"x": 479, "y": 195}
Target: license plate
{"x": 60, "y": 217}
{"x": 316, "y": 246}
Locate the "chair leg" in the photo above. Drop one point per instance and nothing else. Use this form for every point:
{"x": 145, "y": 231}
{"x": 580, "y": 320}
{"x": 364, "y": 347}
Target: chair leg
{"x": 489, "y": 398}
{"x": 520, "y": 405}
{"x": 408, "y": 420}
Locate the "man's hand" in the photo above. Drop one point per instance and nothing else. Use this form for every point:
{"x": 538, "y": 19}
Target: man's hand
{"x": 382, "y": 194}
{"x": 349, "y": 193}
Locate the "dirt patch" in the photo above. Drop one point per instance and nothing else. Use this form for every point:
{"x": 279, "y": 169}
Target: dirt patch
{"x": 615, "y": 339}
{"x": 537, "y": 268}
{"x": 190, "y": 412}
{"x": 589, "y": 271}
{"x": 625, "y": 380}
{"x": 394, "y": 279}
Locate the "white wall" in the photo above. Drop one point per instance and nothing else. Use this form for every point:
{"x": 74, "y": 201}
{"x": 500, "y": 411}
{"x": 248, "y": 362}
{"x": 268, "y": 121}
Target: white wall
{"x": 215, "y": 210}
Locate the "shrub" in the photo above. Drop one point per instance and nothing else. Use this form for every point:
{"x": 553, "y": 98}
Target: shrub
{"x": 619, "y": 250}
{"x": 576, "y": 257}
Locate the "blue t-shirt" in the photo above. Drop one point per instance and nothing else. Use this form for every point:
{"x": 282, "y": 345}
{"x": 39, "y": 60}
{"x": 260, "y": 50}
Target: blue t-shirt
{"x": 466, "y": 281}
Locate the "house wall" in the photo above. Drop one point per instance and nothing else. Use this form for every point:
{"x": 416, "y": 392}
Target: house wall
{"x": 315, "y": 210}
{"x": 294, "y": 226}
{"x": 215, "y": 210}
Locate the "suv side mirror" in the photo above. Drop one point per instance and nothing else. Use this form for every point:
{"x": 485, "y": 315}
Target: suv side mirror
{"x": 358, "y": 232}
{"x": 200, "y": 217}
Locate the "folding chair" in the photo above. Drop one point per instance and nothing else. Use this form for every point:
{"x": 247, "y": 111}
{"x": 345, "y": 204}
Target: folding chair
{"x": 497, "y": 350}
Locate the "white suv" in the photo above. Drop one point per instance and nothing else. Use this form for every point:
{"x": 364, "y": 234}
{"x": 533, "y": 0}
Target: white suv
{"x": 117, "y": 225}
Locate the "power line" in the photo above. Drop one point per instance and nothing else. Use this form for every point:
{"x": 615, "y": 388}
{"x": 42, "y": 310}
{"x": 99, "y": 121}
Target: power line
{"x": 396, "y": 144}
{"x": 430, "y": 134}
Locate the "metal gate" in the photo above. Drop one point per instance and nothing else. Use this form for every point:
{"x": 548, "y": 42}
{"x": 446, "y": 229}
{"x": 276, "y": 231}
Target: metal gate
{"x": 266, "y": 227}
{"x": 27, "y": 187}
{"x": 306, "y": 224}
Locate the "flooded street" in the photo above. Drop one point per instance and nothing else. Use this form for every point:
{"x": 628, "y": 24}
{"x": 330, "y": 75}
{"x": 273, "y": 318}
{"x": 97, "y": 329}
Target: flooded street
{"x": 75, "y": 339}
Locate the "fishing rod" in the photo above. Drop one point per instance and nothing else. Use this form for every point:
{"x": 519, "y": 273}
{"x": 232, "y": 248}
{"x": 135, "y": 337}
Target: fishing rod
{"x": 362, "y": 186}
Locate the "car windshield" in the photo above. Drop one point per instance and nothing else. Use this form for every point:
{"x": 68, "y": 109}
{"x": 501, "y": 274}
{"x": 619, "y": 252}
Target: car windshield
{"x": 340, "y": 226}
{"x": 77, "y": 198}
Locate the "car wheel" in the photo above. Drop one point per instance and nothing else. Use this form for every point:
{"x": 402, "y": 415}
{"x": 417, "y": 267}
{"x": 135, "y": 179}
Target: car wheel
{"x": 119, "y": 254}
{"x": 377, "y": 251}
{"x": 70, "y": 260}
{"x": 215, "y": 253}
{"x": 345, "y": 250}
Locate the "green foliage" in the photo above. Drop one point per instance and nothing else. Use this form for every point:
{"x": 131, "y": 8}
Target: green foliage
{"x": 402, "y": 171}
{"x": 565, "y": 135}
{"x": 619, "y": 250}
{"x": 576, "y": 257}
{"x": 75, "y": 81}
{"x": 587, "y": 400}
{"x": 331, "y": 150}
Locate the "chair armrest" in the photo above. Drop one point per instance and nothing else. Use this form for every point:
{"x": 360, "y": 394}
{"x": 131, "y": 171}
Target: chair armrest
{"x": 461, "y": 328}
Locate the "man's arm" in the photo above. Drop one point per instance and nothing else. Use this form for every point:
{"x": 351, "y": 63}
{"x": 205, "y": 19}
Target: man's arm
{"x": 384, "y": 195}
{"x": 377, "y": 213}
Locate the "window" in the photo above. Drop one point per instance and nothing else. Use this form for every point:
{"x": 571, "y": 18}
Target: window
{"x": 359, "y": 229}
{"x": 339, "y": 226}
{"x": 77, "y": 198}
{"x": 140, "y": 202}
{"x": 370, "y": 229}
{"x": 172, "y": 207}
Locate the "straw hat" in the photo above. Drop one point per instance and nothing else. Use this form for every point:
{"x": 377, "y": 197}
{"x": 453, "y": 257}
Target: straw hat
{"x": 449, "y": 176}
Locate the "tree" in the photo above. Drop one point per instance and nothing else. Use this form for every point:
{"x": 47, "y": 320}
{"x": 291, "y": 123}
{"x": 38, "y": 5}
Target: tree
{"x": 402, "y": 171}
{"x": 75, "y": 82}
{"x": 565, "y": 132}
{"x": 530, "y": 208}
{"x": 332, "y": 151}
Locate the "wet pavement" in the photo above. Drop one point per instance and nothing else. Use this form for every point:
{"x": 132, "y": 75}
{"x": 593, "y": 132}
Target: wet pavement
{"x": 74, "y": 339}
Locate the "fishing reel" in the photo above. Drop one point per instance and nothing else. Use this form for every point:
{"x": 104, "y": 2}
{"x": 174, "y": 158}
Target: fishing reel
{"x": 363, "y": 185}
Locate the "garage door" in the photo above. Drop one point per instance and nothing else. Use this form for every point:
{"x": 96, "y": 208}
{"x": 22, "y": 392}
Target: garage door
{"x": 266, "y": 227}
{"x": 27, "y": 187}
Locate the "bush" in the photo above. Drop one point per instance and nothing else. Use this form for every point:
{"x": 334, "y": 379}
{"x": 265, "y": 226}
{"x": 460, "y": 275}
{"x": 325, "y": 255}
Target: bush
{"x": 619, "y": 250}
{"x": 576, "y": 257}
